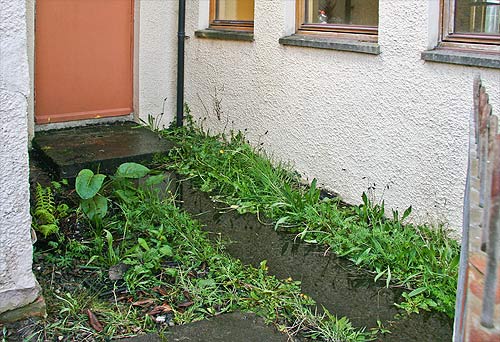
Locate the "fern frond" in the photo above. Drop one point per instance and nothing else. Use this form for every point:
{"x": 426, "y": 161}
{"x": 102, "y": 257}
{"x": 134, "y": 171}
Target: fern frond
{"x": 45, "y": 220}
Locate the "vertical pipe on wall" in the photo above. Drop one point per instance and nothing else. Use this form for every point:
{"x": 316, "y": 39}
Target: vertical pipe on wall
{"x": 181, "y": 34}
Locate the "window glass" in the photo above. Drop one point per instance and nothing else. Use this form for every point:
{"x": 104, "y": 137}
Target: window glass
{"x": 477, "y": 16}
{"x": 343, "y": 12}
{"x": 234, "y": 10}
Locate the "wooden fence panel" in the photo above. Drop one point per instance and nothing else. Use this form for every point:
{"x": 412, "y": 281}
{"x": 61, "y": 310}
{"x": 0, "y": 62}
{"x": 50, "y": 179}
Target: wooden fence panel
{"x": 477, "y": 314}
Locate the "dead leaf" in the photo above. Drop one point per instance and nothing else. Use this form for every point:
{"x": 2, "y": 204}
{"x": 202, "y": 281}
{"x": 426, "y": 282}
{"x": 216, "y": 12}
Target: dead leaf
{"x": 124, "y": 298}
{"x": 160, "y": 290}
{"x": 94, "y": 322}
{"x": 144, "y": 302}
{"x": 164, "y": 308}
{"x": 185, "y": 304}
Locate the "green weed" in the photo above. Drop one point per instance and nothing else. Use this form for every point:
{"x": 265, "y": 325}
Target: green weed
{"x": 421, "y": 259}
{"x": 170, "y": 266}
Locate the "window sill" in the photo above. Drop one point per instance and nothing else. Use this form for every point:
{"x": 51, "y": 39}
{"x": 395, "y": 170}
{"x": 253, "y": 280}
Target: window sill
{"x": 331, "y": 44}
{"x": 225, "y": 35}
{"x": 470, "y": 58}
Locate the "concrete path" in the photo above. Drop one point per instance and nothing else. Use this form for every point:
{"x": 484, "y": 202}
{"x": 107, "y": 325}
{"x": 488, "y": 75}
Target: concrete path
{"x": 233, "y": 327}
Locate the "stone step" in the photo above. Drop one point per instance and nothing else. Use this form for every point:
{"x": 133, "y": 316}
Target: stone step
{"x": 104, "y": 147}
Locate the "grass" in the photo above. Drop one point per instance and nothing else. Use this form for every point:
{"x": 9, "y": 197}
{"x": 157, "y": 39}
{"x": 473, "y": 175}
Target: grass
{"x": 419, "y": 258}
{"x": 173, "y": 274}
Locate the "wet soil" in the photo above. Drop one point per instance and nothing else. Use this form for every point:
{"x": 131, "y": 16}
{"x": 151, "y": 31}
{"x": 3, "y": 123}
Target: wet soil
{"x": 335, "y": 283}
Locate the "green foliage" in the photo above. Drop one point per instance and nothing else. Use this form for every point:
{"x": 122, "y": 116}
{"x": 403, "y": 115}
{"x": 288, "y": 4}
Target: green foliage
{"x": 44, "y": 217}
{"x": 95, "y": 208}
{"x": 164, "y": 248}
{"x": 419, "y": 258}
{"x": 88, "y": 185}
{"x": 414, "y": 303}
{"x": 131, "y": 170}
{"x": 58, "y": 186}
{"x": 174, "y": 250}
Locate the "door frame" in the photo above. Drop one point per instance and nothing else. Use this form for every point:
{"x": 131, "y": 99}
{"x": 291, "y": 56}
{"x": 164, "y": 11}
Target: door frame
{"x": 32, "y": 126}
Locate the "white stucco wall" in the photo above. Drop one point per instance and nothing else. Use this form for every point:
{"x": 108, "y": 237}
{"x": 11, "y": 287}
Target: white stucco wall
{"x": 349, "y": 119}
{"x": 17, "y": 283}
{"x": 155, "y": 60}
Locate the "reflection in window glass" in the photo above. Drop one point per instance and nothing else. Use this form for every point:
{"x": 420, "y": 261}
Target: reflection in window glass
{"x": 477, "y": 16}
{"x": 234, "y": 10}
{"x": 344, "y": 12}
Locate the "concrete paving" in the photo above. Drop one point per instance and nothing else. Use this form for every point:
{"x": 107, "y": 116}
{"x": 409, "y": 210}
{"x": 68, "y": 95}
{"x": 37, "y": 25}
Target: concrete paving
{"x": 233, "y": 327}
{"x": 102, "y": 147}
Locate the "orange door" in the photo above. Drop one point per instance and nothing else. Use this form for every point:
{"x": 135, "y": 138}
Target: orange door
{"x": 83, "y": 59}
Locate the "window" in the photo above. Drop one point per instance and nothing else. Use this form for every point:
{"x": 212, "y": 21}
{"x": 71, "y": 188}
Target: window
{"x": 232, "y": 15}
{"x": 344, "y": 18}
{"x": 471, "y": 23}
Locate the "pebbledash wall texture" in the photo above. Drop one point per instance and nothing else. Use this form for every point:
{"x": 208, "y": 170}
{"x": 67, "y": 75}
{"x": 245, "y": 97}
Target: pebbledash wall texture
{"x": 18, "y": 286}
{"x": 349, "y": 119}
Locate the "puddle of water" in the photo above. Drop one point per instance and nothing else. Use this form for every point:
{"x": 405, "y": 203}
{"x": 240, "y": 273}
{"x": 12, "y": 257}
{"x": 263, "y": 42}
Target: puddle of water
{"x": 335, "y": 283}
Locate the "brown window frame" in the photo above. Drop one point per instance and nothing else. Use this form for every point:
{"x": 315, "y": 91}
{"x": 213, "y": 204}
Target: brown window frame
{"x": 356, "y": 32}
{"x": 228, "y": 25}
{"x": 465, "y": 41}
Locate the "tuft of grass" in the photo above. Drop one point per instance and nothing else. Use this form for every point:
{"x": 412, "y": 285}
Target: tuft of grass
{"x": 419, "y": 258}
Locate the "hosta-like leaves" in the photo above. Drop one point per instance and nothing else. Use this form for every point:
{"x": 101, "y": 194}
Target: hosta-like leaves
{"x": 87, "y": 184}
{"x": 132, "y": 170}
{"x": 95, "y": 207}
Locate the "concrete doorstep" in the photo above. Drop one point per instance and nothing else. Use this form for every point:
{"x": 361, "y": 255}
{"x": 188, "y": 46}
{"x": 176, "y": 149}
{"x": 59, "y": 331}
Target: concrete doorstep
{"x": 66, "y": 151}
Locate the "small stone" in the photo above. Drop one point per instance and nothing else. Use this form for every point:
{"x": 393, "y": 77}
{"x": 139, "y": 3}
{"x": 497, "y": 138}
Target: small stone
{"x": 117, "y": 271}
{"x": 171, "y": 324}
{"x": 160, "y": 319}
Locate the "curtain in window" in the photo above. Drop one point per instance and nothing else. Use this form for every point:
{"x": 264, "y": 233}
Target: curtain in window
{"x": 344, "y": 12}
{"x": 477, "y": 16}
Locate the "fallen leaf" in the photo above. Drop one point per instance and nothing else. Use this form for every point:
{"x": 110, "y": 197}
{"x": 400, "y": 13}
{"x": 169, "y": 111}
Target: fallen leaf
{"x": 160, "y": 290}
{"x": 144, "y": 302}
{"x": 94, "y": 322}
{"x": 185, "y": 304}
{"x": 124, "y": 298}
{"x": 164, "y": 308}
